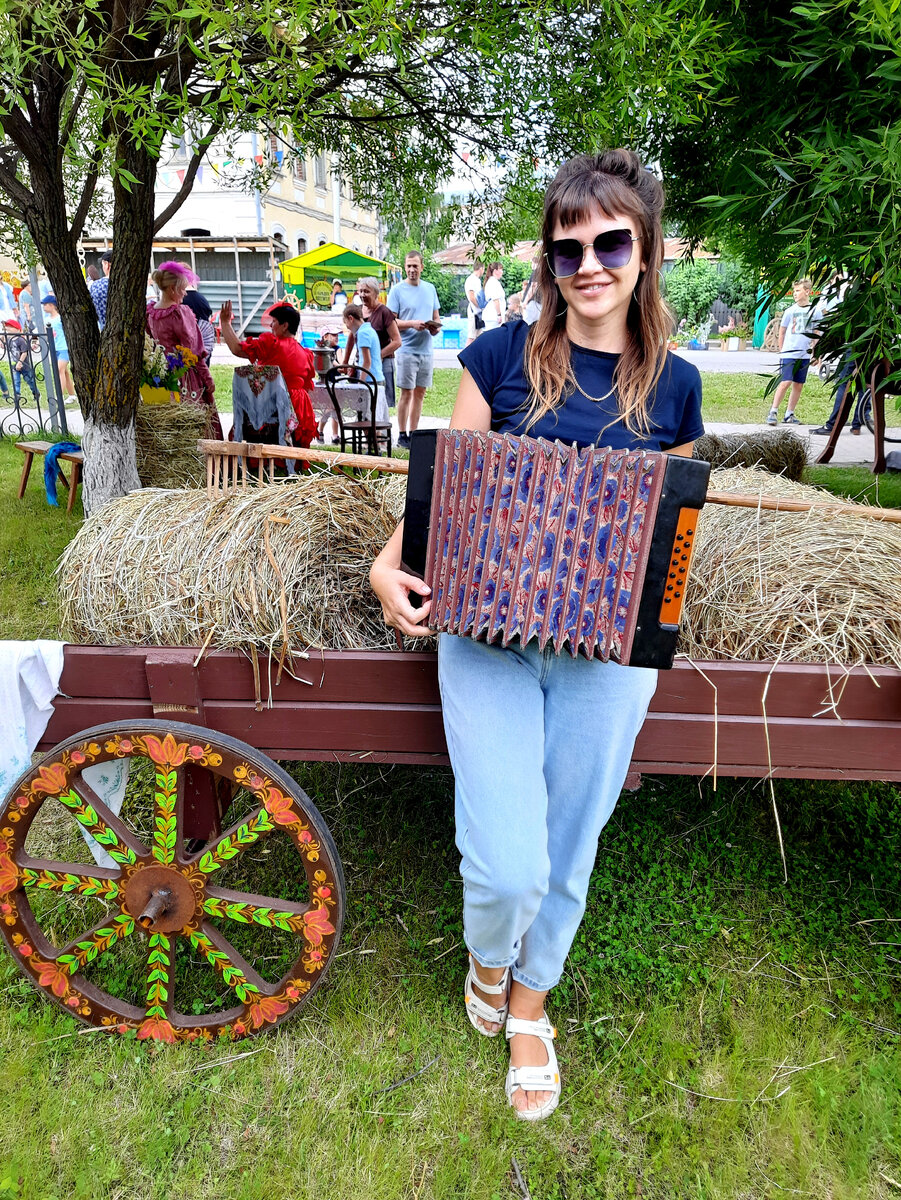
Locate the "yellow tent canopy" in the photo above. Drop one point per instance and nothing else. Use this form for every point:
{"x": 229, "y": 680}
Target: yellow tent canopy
{"x": 309, "y": 276}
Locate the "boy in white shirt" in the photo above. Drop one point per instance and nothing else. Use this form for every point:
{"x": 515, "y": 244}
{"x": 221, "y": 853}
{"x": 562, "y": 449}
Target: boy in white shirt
{"x": 797, "y": 334}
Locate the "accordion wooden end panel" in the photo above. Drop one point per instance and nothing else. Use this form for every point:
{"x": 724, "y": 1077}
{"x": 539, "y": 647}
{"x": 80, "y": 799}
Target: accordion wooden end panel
{"x": 523, "y": 539}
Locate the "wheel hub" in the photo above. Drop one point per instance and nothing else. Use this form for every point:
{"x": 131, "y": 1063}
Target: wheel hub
{"x": 160, "y": 899}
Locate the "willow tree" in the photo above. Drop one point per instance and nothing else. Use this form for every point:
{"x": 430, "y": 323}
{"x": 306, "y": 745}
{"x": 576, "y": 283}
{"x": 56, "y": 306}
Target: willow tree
{"x": 91, "y": 90}
{"x": 797, "y": 167}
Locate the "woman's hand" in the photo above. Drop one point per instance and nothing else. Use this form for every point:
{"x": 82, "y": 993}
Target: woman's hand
{"x": 393, "y": 585}
{"x": 225, "y": 313}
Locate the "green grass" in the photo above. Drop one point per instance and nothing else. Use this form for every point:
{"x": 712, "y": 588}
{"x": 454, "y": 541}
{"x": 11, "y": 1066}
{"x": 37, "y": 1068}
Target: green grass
{"x": 32, "y": 537}
{"x": 697, "y": 974}
{"x": 722, "y": 1034}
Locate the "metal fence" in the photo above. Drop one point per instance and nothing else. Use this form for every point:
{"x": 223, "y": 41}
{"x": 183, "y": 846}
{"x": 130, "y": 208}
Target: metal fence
{"x": 31, "y": 399}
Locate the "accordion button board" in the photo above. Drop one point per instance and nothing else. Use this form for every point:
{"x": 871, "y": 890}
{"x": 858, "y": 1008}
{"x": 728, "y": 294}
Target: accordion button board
{"x": 522, "y": 539}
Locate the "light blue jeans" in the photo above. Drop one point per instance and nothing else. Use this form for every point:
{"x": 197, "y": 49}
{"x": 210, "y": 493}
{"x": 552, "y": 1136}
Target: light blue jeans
{"x": 540, "y": 745}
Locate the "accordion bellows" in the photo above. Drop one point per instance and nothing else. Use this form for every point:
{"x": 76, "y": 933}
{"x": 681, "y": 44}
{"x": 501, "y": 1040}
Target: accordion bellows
{"x": 520, "y": 538}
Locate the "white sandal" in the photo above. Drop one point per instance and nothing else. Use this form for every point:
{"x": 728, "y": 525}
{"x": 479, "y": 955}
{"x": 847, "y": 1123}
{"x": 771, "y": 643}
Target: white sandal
{"x": 534, "y": 1079}
{"x": 476, "y": 1008}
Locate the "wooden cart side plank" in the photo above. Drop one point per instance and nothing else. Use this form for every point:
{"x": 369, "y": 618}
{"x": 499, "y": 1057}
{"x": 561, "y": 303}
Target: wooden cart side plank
{"x": 795, "y": 689}
{"x": 758, "y": 771}
{"x": 102, "y": 671}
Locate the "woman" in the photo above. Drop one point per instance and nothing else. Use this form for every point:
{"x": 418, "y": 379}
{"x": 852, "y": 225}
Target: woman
{"x": 173, "y": 325}
{"x": 384, "y": 322}
{"x": 541, "y": 744}
{"x": 280, "y": 348}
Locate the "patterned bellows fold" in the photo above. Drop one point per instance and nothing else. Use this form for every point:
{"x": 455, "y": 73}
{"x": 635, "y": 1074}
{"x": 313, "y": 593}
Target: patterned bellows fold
{"x": 520, "y": 538}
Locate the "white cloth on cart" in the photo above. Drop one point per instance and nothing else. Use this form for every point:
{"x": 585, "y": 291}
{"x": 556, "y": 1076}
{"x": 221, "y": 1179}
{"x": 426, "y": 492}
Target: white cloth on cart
{"x": 29, "y": 683}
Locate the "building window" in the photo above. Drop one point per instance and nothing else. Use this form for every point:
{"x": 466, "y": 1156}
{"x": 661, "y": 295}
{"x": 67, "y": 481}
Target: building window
{"x": 323, "y": 241}
{"x": 180, "y": 153}
{"x": 301, "y": 245}
{"x": 369, "y": 249}
{"x": 300, "y": 166}
{"x": 276, "y": 151}
{"x": 356, "y": 247}
{"x": 319, "y": 171}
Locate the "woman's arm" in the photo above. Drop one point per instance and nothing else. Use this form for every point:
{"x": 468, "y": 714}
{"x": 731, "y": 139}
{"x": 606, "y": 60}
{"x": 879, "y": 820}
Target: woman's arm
{"x": 684, "y": 451}
{"x": 388, "y": 581}
{"x": 395, "y": 340}
{"x": 228, "y": 334}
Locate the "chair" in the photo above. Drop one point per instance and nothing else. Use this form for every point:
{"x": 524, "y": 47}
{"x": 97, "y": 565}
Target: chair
{"x": 365, "y": 433}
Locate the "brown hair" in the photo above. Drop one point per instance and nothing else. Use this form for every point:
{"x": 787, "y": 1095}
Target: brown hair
{"x": 616, "y": 183}
{"x": 354, "y": 311}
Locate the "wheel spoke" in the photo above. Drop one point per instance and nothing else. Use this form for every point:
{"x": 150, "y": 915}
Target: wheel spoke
{"x": 233, "y": 841}
{"x": 85, "y": 948}
{"x": 101, "y": 823}
{"x": 100, "y": 883}
{"x": 159, "y": 976}
{"x": 167, "y": 799}
{"x": 234, "y": 969}
{"x": 250, "y": 909}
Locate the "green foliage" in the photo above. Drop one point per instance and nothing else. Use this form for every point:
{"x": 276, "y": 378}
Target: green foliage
{"x": 516, "y": 272}
{"x": 798, "y": 169}
{"x": 738, "y": 286}
{"x": 448, "y": 285}
{"x": 690, "y": 289}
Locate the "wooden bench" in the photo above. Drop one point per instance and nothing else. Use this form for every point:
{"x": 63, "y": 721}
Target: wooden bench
{"x": 75, "y": 457}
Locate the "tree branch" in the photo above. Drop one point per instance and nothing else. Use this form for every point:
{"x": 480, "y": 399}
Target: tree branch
{"x": 188, "y": 182}
{"x": 90, "y": 184}
{"x": 69, "y": 123}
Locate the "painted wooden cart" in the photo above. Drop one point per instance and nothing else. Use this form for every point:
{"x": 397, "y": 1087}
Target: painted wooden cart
{"x": 200, "y": 734}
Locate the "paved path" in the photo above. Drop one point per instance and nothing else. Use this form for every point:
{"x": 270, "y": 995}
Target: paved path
{"x": 850, "y": 449}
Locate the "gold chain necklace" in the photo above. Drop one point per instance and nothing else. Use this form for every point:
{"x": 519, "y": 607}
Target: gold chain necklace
{"x": 594, "y": 399}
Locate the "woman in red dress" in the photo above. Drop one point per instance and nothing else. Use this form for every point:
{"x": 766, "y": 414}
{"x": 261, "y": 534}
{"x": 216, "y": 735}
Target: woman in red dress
{"x": 281, "y": 349}
{"x": 172, "y": 325}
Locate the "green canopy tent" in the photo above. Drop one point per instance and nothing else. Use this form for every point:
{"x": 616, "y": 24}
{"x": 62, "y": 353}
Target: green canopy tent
{"x": 309, "y": 276}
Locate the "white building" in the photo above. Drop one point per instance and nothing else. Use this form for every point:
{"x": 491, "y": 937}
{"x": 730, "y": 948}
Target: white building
{"x": 305, "y": 205}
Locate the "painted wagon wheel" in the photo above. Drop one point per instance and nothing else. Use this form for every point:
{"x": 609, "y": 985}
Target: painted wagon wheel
{"x": 771, "y": 334}
{"x": 169, "y": 935}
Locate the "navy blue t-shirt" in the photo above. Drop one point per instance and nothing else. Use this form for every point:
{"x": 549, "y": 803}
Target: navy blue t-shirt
{"x": 496, "y": 362}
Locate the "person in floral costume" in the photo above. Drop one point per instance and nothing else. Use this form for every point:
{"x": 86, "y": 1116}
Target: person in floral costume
{"x": 174, "y": 326}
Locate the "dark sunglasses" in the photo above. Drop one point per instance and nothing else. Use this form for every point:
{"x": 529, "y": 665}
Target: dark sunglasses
{"x": 612, "y": 249}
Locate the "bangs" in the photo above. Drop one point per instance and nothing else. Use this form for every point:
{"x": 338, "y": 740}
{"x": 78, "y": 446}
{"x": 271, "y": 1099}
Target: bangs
{"x": 579, "y": 197}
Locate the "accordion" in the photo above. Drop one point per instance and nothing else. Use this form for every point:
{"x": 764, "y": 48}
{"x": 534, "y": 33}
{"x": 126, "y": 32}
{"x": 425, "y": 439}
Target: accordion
{"x": 520, "y": 538}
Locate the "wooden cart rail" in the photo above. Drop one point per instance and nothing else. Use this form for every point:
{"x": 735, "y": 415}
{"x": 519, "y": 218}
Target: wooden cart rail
{"x": 383, "y": 706}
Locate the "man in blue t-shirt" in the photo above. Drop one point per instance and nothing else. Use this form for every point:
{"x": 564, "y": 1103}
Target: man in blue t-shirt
{"x": 415, "y": 304}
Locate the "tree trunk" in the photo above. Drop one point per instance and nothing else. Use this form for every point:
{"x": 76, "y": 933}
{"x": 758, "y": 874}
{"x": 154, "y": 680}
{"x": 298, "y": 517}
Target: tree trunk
{"x": 106, "y": 366}
{"x": 109, "y": 455}
{"x": 110, "y": 468}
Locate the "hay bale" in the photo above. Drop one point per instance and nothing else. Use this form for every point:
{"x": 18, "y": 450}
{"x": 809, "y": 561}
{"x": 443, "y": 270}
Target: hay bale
{"x": 166, "y": 437}
{"x": 797, "y": 587}
{"x": 778, "y": 451}
{"x": 173, "y": 568}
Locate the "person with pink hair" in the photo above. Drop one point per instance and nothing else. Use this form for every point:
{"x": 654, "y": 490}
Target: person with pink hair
{"x": 174, "y": 325}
